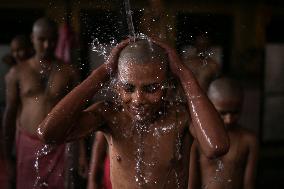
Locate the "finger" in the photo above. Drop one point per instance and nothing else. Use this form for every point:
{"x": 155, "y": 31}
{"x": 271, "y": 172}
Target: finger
{"x": 170, "y": 50}
{"x": 121, "y": 45}
{"x": 163, "y": 45}
{"x": 118, "y": 48}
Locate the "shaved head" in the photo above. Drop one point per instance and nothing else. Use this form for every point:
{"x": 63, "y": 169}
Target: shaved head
{"x": 142, "y": 52}
{"x": 45, "y": 24}
{"x": 225, "y": 89}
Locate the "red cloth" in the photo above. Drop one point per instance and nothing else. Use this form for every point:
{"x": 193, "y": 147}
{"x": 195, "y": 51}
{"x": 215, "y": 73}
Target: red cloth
{"x": 66, "y": 41}
{"x": 106, "y": 179}
{"x": 51, "y": 166}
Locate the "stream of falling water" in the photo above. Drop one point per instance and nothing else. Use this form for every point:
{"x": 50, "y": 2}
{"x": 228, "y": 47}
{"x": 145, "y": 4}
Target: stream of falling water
{"x": 142, "y": 168}
{"x": 129, "y": 19}
{"x": 46, "y": 149}
{"x": 217, "y": 178}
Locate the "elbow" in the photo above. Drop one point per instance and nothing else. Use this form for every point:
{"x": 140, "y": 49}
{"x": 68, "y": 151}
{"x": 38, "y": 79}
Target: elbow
{"x": 218, "y": 150}
{"x": 47, "y": 138}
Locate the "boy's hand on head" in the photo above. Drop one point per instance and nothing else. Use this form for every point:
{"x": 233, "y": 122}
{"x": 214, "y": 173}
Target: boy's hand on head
{"x": 175, "y": 62}
{"x": 112, "y": 59}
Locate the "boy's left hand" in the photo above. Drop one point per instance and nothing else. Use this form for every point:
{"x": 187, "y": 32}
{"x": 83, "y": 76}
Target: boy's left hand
{"x": 175, "y": 62}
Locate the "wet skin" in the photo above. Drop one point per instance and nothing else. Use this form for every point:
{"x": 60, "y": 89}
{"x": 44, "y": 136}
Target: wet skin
{"x": 239, "y": 163}
{"x": 147, "y": 149}
{"x": 97, "y": 164}
{"x": 35, "y": 86}
{"x": 205, "y": 70}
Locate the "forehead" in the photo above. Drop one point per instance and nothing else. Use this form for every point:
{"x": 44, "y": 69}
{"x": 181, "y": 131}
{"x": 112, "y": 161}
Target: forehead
{"x": 227, "y": 104}
{"x": 17, "y": 44}
{"x": 131, "y": 72}
{"x": 45, "y": 31}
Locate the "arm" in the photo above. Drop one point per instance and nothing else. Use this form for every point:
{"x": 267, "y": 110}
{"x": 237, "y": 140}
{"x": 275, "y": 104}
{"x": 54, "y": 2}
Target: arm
{"x": 194, "y": 168}
{"x": 208, "y": 126}
{"x": 250, "y": 170}
{"x": 10, "y": 117}
{"x": 68, "y": 119}
{"x": 11, "y": 109}
{"x": 97, "y": 162}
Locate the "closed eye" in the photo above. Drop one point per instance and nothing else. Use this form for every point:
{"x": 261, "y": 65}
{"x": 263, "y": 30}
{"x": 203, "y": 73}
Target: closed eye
{"x": 128, "y": 88}
{"x": 152, "y": 88}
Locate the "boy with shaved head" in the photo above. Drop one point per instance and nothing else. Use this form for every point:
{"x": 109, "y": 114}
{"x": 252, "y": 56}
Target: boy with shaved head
{"x": 149, "y": 138}
{"x": 237, "y": 168}
{"x": 32, "y": 89}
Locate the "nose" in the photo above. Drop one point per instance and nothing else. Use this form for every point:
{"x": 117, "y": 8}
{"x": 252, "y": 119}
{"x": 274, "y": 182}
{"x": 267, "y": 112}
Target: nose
{"x": 138, "y": 97}
{"x": 228, "y": 119}
{"x": 48, "y": 44}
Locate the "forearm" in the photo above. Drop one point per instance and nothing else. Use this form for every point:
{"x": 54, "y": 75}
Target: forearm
{"x": 9, "y": 130}
{"x": 207, "y": 123}
{"x": 59, "y": 121}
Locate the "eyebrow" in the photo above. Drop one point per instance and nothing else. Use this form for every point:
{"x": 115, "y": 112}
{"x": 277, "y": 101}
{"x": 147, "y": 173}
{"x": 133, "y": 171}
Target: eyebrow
{"x": 126, "y": 83}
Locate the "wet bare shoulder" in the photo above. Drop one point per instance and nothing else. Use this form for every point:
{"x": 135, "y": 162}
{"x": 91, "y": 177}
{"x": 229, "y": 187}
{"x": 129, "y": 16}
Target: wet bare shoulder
{"x": 18, "y": 69}
{"x": 12, "y": 74}
{"x": 248, "y": 137}
{"x": 68, "y": 71}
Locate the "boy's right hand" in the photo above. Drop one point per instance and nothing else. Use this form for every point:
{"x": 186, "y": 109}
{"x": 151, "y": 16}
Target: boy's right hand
{"x": 112, "y": 59}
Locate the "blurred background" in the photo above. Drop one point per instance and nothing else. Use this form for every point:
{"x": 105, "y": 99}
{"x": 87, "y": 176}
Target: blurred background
{"x": 247, "y": 40}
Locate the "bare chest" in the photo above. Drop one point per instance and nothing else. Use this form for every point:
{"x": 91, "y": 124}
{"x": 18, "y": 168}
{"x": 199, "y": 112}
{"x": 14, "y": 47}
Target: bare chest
{"x": 53, "y": 85}
{"x": 231, "y": 163}
{"x": 151, "y": 156}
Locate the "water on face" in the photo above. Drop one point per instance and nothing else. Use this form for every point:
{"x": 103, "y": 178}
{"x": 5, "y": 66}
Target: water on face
{"x": 143, "y": 174}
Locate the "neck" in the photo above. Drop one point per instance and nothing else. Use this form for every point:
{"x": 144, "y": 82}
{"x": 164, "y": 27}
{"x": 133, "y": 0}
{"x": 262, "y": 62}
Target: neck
{"x": 231, "y": 127}
{"x": 44, "y": 60}
{"x": 162, "y": 111}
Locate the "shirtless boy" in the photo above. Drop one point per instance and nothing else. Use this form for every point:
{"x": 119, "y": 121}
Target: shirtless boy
{"x": 33, "y": 88}
{"x": 149, "y": 139}
{"x": 237, "y": 168}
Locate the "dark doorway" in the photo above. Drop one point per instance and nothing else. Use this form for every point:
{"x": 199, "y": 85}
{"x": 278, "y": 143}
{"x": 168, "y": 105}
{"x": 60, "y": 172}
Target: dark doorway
{"x": 218, "y": 27}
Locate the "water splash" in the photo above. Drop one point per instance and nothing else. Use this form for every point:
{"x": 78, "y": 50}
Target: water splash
{"x": 45, "y": 150}
{"x": 217, "y": 178}
{"x": 145, "y": 37}
{"x": 205, "y": 55}
{"x": 101, "y": 48}
{"x": 140, "y": 176}
{"x": 143, "y": 177}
